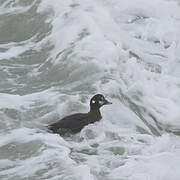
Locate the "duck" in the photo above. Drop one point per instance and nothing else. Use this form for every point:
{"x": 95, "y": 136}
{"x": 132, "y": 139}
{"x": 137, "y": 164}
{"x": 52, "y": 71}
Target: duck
{"x": 76, "y": 122}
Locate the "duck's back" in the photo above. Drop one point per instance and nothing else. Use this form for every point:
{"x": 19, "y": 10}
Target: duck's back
{"x": 73, "y": 123}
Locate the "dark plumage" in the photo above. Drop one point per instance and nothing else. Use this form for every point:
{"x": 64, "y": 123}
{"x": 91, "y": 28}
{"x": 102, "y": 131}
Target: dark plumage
{"x": 74, "y": 123}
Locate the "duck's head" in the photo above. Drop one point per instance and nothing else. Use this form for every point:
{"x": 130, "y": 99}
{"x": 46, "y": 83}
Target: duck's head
{"x": 98, "y": 101}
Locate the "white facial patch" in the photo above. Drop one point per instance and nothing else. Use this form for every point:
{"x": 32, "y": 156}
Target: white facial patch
{"x": 93, "y": 101}
{"x": 101, "y": 102}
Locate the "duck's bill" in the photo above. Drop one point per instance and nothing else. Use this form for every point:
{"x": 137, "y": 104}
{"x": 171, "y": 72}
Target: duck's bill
{"x": 107, "y": 102}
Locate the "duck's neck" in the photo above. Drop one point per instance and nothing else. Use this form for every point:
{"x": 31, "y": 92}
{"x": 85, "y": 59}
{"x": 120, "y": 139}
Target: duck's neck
{"x": 95, "y": 111}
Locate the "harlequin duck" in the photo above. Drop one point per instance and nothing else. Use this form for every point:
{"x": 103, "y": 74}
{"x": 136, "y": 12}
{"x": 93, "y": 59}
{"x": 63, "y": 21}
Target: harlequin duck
{"x": 75, "y": 122}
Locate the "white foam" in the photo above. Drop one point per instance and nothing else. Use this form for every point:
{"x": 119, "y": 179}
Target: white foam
{"x": 150, "y": 78}
{"x": 18, "y": 101}
{"x": 132, "y": 51}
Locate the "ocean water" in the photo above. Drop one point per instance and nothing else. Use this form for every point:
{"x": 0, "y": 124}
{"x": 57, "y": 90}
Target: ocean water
{"x": 55, "y": 55}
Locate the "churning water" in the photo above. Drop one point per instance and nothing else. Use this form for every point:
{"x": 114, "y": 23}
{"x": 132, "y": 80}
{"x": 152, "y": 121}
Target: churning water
{"x": 56, "y": 54}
